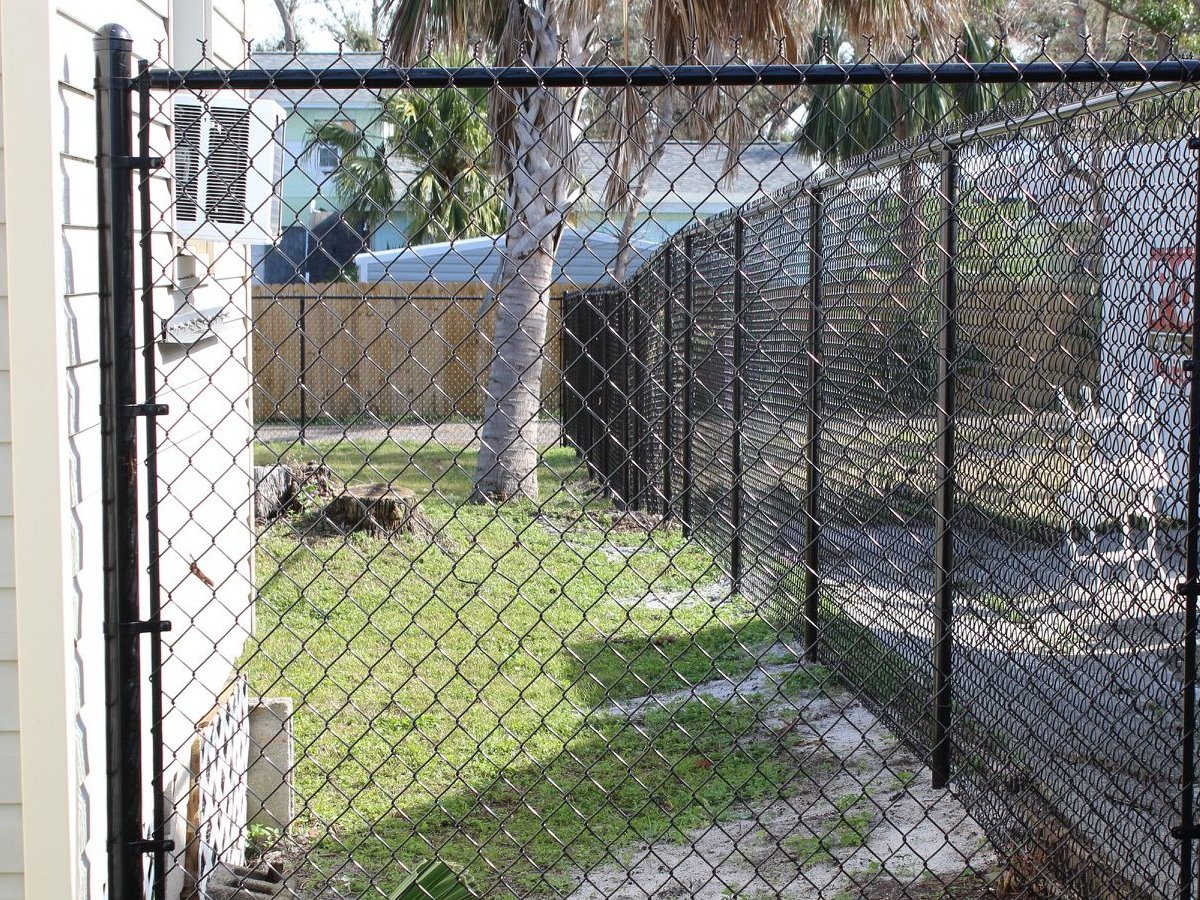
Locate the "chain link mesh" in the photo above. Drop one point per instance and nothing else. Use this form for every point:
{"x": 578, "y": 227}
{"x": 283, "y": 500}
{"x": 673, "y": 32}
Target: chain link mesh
{"x": 698, "y": 657}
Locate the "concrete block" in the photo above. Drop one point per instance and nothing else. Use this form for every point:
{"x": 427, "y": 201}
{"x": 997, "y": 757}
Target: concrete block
{"x": 272, "y": 756}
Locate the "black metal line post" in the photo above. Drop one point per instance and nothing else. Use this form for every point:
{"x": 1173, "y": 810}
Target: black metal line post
{"x": 303, "y": 375}
{"x": 118, "y": 430}
{"x": 735, "y": 500}
{"x": 943, "y": 571}
{"x": 689, "y": 382}
{"x": 1190, "y": 587}
{"x": 668, "y": 499}
{"x": 812, "y": 529}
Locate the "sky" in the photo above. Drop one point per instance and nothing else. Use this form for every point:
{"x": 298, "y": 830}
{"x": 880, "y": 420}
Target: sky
{"x": 262, "y": 22}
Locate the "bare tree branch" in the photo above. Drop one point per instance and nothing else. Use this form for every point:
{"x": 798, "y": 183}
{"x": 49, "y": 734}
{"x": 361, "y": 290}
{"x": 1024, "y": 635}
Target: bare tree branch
{"x": 286, "y": 14}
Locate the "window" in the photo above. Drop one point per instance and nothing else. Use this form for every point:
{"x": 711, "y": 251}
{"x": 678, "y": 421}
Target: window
{"x": 326, "y": 158}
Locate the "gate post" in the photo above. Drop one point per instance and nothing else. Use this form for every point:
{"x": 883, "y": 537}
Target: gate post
{"x": 119, "y": 461}
{"x": 816, "y": 322}
{"x": 947, "y": 376}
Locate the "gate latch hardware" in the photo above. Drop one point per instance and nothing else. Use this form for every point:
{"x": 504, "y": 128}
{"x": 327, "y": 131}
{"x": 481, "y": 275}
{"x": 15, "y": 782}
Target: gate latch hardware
{"x": 147, "y": 626}
{"x": 1184, "y": 589}
{"x": 1186, "y": 832}
{"x": 1193, "y": 143}
{"x": 146, "y": 409}
{"x": 133, "y": 162}
{"x": 152, "y": 846}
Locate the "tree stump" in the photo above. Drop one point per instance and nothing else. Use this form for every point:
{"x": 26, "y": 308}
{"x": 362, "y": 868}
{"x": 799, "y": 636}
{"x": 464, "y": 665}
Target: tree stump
{"x": 379, "y": 509}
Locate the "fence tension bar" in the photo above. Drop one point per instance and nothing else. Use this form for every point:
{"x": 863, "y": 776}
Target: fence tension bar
{"x": 943, "y": 569}
{"x": 1188, "y": 830}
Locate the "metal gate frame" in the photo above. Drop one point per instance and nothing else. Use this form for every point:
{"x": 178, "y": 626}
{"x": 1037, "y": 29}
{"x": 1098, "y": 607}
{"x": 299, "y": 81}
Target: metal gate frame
{"x": 127, "y": 616}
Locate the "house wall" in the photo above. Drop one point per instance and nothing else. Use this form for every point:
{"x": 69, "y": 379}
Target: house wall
{"x": 51, "y": 644}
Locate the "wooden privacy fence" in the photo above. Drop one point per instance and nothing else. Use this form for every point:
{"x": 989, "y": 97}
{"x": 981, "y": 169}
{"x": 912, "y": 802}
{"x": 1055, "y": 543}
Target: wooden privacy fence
{"x": 392, "y": 351}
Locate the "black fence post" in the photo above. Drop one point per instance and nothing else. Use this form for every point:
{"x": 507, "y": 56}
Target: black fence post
{"x": 689, "y": 382}
{"x": 735, "y": 504}
{"x": 943, "y": 570}
{"x": 303, "y": 374}
{"x": 816, "y": 324}
{"x": 668, "y": 461}
{"x": 119, "y": 460}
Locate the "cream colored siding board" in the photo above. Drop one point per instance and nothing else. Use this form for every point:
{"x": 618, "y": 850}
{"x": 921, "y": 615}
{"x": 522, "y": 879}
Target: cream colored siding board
{"x": 145, "y": 25}
{"x": 83, "y": 398}
{"x": 11, "y": 844}
{"x": 6, "y": 503}
{"x": 7, "y": 575}
{"x": 5, "y": 409}
{"x": 85, "y": 450}
{"x": 8, "y": 624}
{"x": 81, "y": 267}
{"x": 9, "y": 720}
{"x": 10, "y": 767}
{"x": 83, "y": 328}
{"x": 78, "y": 180}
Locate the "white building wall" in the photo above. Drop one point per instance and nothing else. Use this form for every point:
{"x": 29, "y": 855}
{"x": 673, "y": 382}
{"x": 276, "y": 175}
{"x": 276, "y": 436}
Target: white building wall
{"x": 57, "y": 604}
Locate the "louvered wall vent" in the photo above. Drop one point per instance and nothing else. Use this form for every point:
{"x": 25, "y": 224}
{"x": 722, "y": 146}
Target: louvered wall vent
{"x": 228, "y": 162}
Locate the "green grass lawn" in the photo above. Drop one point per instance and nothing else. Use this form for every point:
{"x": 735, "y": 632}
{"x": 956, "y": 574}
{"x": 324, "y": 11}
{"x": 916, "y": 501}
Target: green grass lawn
{"x": 449, "y": 695}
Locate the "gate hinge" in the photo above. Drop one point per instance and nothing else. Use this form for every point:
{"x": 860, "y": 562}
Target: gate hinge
{"x": 1186, "y": 832}
{"x": 132, "y": 162}
{"x": 148, "y": 846}
{"x": 144, "y": 626}
{"x": 1187, "y": 589}
{"x": 145, "y": 409}
{"x": 1193, "y": 143}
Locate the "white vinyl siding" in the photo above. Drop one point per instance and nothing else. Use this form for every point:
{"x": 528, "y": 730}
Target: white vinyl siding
{"x": 72, "y": 282}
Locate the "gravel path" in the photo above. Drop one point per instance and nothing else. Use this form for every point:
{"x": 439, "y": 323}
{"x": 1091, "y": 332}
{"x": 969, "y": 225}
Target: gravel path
{"x": 448, "y": 434}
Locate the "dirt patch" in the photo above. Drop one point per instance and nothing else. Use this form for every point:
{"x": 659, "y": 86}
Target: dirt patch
{"x": 860, "y": 818}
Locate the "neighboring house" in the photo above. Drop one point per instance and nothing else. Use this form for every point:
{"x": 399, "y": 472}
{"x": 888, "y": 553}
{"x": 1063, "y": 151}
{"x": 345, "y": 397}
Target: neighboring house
{"x": 685, "y": 182}
{"x": 317, "y": 243}
{"x": 584, "y": 259}
{"x": 52, "y": 697}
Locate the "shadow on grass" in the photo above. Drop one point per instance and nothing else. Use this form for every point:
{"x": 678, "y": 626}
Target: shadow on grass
{"x": 532, "y": 807}
{"x": 429, "y": 469}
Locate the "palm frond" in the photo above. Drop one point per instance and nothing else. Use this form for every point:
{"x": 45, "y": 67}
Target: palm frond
{"x": 433, "y": 881}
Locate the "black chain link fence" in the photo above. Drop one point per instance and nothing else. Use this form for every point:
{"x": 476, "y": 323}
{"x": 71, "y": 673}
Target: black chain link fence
{"x": 843, "y": 496}
{"x": 966, "y": 339}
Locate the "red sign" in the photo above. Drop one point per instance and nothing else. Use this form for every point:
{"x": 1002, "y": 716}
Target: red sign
{"x": 1172, "y": 275}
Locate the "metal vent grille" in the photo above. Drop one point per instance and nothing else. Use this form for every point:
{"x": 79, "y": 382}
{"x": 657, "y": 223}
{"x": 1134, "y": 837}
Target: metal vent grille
{"x": 228, "y": 162}
{"x": 188, "y": 153}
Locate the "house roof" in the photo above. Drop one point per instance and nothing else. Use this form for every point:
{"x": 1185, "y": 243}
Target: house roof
{"x": 582, "y": 261}
{"x": 317, "y": 62}
{"x": 687, "y": 175}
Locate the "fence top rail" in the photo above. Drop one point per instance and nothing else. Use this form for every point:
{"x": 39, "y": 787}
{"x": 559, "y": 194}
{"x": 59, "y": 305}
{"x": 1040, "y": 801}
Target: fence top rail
{"x": 383, "y": 76}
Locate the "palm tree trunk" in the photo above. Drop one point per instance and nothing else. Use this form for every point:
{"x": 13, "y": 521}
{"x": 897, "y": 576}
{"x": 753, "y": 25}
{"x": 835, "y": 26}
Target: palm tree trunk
{"x": 537, "y": 194}
{"x": 662, "y": 131}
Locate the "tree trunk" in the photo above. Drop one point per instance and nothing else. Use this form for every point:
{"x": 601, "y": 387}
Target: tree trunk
{"x": 289, "y": 28}
{"x": 1080, "y": 21}
{"x": 662, "y": 131}
{"x": 541, "y": 145}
